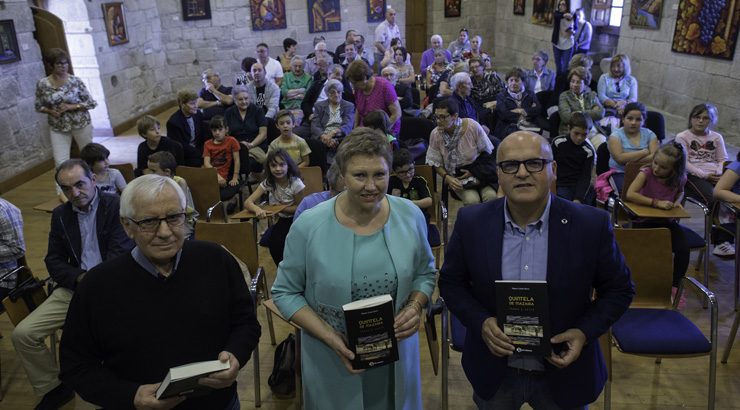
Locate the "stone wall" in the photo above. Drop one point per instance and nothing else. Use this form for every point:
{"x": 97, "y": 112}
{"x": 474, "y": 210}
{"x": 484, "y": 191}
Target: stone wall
{"x": 222, "y": 42}
{"x": 24, "y": 134}
{"x": 674, "y": 82}
{"x": 478, "y": 16}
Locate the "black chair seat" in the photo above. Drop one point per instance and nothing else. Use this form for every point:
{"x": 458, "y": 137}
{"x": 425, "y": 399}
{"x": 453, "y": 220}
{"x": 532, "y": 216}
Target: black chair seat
{"x": 658, "y": 332}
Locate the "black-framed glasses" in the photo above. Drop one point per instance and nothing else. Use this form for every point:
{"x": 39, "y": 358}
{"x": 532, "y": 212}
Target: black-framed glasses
{"x": 531, "y": 165}
{"x": 408, "y": 171}
{"x": 152, "y": 224}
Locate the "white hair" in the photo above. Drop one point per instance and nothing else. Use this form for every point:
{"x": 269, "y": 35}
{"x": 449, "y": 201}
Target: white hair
{"x": 316, "y": 47}
{"x": 335, "y": 84}
{"x": 457, "y": 78}
{"x": 437, "y": 37}
{"x": 147, "y": 188}
{"x": 298, "y": 58}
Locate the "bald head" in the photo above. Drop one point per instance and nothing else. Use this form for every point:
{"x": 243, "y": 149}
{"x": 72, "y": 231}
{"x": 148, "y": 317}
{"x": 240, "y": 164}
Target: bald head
{"x": 521, "y": 139}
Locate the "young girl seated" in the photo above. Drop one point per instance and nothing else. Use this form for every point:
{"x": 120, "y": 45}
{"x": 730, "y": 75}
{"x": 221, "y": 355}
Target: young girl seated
{"x": 575, "y": 156}
{"x": 163, "y": 163}
{"x": 661, "y": 186}
{"x": 728, "y": 190}
{"x": 284, "y": 186}
{"x": 294, "y": 145}
{"x": 630, "y": 143}
{"x": 378, "y": 120}
{"x": 405, "y": 184}
{"x": 108, "y": 180}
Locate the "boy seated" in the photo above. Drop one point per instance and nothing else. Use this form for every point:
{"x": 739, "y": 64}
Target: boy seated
{"x": 148, "y": 127}
{"x": 575, "y": 157}
{"x": 405, "y": 184}
{"x": 294, "y": 145}
{"x": 163, "y": 163}
{"x": 221, "y": 152}
{"x": 108, "y": 180}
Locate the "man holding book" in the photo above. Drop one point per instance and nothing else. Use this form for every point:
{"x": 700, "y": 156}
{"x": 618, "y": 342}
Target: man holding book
{"x": 165, "y": 304}
{"x": 531, "y": 235}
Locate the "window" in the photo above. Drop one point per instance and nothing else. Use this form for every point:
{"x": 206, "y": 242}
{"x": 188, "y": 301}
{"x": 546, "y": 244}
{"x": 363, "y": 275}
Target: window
{"x": 615, "y": 16}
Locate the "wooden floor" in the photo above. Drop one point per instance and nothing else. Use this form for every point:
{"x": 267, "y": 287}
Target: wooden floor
{"x": 638, "y": 382}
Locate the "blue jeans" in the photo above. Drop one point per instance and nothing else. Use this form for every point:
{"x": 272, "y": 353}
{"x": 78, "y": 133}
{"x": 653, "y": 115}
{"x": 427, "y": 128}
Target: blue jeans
{"x": 562, "y": 58}
{"x": 519, "y": 387}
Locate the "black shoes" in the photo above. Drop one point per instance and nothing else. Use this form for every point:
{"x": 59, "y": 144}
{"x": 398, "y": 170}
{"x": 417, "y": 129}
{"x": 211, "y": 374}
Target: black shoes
{"x": 56, "y": 398}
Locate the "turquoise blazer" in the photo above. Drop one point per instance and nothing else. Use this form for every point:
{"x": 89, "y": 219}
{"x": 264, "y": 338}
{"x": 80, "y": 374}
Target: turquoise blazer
{"x": 316, "y": 271}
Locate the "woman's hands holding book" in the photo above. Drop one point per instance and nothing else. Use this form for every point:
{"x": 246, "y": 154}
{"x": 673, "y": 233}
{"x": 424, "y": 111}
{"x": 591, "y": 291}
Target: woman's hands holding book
{"x": 336, "y": 341}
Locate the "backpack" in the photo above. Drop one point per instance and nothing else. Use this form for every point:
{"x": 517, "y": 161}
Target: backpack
{"x": 282, "y": 378}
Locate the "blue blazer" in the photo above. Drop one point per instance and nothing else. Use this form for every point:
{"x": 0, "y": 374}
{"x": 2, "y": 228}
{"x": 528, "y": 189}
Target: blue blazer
{"x": 582, "y": 257}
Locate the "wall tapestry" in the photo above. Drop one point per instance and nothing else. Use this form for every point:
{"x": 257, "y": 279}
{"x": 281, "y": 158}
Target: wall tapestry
{"x": 324, "y": 15}
{"x": 8, "y": 42}
{"x": 115, "y": 23}
{"x": 268, "y": 14}
{"x": 707, "y": 28}
{"x": 645, "y": 14}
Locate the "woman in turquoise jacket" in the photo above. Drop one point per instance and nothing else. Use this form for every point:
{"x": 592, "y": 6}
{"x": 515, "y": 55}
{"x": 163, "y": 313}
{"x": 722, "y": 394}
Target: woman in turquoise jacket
{"x": 359, "y": 244}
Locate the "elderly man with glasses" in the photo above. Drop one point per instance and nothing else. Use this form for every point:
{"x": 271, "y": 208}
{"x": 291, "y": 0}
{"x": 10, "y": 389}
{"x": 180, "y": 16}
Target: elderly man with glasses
{"x": 166, "y": 303}
{"x": 532, "y": 235}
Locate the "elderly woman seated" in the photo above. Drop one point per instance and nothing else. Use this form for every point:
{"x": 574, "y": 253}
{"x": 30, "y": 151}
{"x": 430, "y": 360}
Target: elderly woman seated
{"x": 487, "y": 84}
{"x": 331, "y": 121}
{"x": 562, "y": 83}
{"x": 578, "y": 99}
{"x": 459, "y": 148}
{"x": 476, "y": 51}
{"x": 294, "y": 87}
{"x": 539, "y": 78}
{"x": 436, "y": 73}
{"x": 617, "y": 88}
{"x": 516, "y": 108}
{"x": 405, "y": 98}
{"x": 405, "y": 70}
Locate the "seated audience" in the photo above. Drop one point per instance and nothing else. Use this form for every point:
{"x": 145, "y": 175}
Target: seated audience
{"x": 336, "y": 185}
{"x": 316, "y": 40}
{"x": 575, "y": 157}
{"x": 163, "y": 163}
{"x": 339, "y": 53}
{"x": 428, "y": 57}
{"x": 728, "y": 190}
{"x": 705, "y": 151}
{"x": 12, "y": 245}
{"x": 373, "y": 93}
{"x": 247, "y": 124}
{"x": 617, "y": 88}
{"x": 539, "y": 78}
{"x": 215, "y": 98}
{"x": 562, "y": 83}
{"x": 185, "y": 291}
{"x": 444, "y": 83}
{"x": 245, "y": 76}
{"x": 263, "y": 93}
{"x": 84, "y": 232}
{"x": 630, "y": 143}
{"x": 108, "y": 180}
{"x": 378, "y": 120}
{"x": 222, "y": 152}
{"x": 185, "y": 126}
{"x": 283, "y": 185}
{"x": 454, "y": 146}
{"x": 405, "y": 98}
{"x": 476, "y": 51}
{"x": 405, "y": 69}
{"x": 320, "y": 54}
{"x": 273, "y": 69}
{"x": 516, "y": 108}
{"x": 294, "y": 145}
{"x": 294, "y": 87}
{"x": 366, "y": 53}
{"x": 460, "y": 46}
{"x": 486, "y": 86}
{"x": 660, "y": 185}
{"x": 289, "y": 51}
{"x": 332, "y": 120}
{"x": 148, "y": 128}
{"x": 389, "y": 57}
{"x": 578, "y": 99}
{"x": 462, "y": 88}
{"x": 405, "y": 184}
{"x": 350, "y": 55}
{"x": 437, "y": 73}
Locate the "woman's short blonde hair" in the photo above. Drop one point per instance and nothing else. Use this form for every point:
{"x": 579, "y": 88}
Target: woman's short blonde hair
{"x": 622, "y": 58}
{"x": 363, "y": 141}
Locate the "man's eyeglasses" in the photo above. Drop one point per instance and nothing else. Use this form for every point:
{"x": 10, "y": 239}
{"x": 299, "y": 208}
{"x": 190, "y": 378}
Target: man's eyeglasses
{"x": 441, "y": 117}
{"x": 408, "y": 171}
{"x": 152, "y": 224}
{"x": 531, "y": 165}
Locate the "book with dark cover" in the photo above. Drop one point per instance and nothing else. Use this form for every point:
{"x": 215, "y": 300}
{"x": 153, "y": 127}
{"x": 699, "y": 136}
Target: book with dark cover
{"x": 183, "y": 380}
{"x": 370, "y": 333}
{"x": 522, "y": 313}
